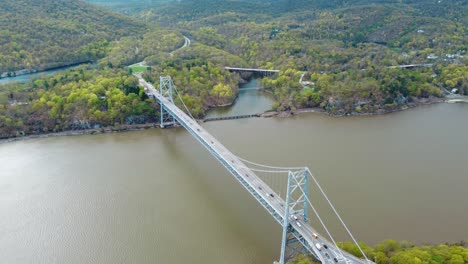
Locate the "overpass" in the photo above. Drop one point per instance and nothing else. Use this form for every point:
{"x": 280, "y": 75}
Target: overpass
{"x": 292, "y": 214}
{"x": 410, "y": 66}
{"x": 263, "y": 72}
{"x": 230, "y": 117}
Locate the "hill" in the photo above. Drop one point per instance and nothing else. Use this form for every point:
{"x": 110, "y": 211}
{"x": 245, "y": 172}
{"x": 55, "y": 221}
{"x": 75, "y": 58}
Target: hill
{"x": 42, "y": 34}
{"x": 342, "y": 51}
{"x": 128, "y": 6}
{"x": 345, "y": 49}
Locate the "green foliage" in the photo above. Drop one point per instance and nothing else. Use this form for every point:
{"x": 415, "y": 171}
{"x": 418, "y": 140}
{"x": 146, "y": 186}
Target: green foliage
{"x": 454, "y": 76}
{"x": 157, "y": 43}
{"x": 76, "y": 99}
{"x": 346, "y": 48}
{"x": 393, "y": 252}
{"x": 129, "y": 6}
{"x": 138, "y": 69}
{"x": 41, "y": 34}
{"x": 198, "y": 74}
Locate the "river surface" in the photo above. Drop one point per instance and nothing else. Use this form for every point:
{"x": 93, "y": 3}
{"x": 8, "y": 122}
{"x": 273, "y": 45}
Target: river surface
{"x": 157, "y": 196}
{"x": 249, "y": 101}
{"x": 28, "y": 77}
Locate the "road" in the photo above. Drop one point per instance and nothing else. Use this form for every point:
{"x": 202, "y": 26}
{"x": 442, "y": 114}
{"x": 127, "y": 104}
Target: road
{"x": 186, "y": 44}
{"x": 300, "y": 79}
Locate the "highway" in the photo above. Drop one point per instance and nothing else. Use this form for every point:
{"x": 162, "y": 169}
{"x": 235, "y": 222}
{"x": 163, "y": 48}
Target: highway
{"x": 259, "y": 189}
{"x": 250, "y": 70}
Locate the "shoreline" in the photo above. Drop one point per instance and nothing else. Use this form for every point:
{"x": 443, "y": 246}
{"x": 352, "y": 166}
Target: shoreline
{"x": 13, "y": 74}
{"x": 95, "y": 131}
{"x": 430, "y": 101}
{"x": 283, "y": 114}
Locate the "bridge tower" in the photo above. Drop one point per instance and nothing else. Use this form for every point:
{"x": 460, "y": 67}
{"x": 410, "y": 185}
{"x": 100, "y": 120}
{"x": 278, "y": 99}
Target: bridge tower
{"x": 296, "y": 208}
{"x": 166, "y": 88}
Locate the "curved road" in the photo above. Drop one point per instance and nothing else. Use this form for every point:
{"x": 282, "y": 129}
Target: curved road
{"x": 300, "y": 79}
{"x": 186, "y": 44}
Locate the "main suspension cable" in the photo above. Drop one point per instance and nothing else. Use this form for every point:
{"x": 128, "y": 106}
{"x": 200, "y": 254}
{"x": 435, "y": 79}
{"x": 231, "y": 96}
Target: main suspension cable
{"x": 180, "y": 98}
{"x": 270, "y": 167}
{"x": 266, "y": 171}
{"x": 337, "y": 214}
{"x": 288, "y": 169}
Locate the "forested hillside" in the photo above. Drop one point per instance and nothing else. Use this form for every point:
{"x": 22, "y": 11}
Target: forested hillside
{"x": 41, "y": 34}
{"x": 343, "y": 50}
{"x": 76, "y": 99}
{"x": 129, "y": 6}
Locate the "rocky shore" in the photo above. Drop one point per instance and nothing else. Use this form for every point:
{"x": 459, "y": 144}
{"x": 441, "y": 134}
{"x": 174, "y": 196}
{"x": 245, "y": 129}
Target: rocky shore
{"x": 283, "y": 114}
{"x": 418, "y": 102}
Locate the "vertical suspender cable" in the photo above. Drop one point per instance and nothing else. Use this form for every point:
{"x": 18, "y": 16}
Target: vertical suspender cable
{"x": 320, "y": 219}
{"x": 338, "y": 215}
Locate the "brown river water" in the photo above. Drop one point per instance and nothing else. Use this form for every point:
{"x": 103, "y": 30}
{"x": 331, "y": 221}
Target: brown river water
{"x": 157, "y": 196}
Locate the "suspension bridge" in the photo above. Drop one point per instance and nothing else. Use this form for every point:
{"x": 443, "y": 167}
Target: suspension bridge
{"x": 292, "y": 212}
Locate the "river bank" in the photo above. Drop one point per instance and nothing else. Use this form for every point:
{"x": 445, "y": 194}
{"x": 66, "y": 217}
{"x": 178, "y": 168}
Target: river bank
{"x": 266, "y": 114}
{"x": 109, "y": 191}
{"x": 414, "y": 104}
{"x": 103, "y": 130}
{"x": 30, "y": 71}
{"x": 25, "y": 75}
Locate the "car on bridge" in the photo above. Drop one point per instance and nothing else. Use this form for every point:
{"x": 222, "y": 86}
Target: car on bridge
{"x": 317, "y": 245}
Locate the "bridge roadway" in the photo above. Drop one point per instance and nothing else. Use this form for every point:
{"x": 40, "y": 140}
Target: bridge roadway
{"x": 410, "y": 66}
{"x": 251, "y": 70}
{"x": 260, "y": 190}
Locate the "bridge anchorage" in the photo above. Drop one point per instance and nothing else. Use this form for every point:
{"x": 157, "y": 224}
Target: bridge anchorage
{"x": 291, "y": 211}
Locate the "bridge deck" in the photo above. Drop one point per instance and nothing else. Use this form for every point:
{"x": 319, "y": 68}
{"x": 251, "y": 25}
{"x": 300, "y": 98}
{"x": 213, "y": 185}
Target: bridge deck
{"x": 411, "y": 66}
{"x": 259, "y": 189}
{"x": 230, "y": 117}
{"x": 251, "y": 70}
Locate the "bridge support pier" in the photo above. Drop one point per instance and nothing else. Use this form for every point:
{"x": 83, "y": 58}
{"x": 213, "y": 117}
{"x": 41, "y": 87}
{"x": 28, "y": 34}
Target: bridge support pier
{"x": 296, "y": 208}
{"x": 166, "y": 90}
